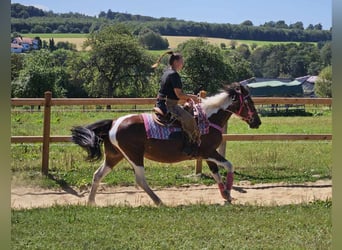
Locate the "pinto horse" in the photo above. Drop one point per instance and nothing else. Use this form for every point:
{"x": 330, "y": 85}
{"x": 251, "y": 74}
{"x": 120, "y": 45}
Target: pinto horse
{"x": 127, "y": 138}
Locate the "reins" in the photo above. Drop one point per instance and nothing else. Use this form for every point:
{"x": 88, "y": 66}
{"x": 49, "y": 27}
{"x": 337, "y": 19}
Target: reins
{"x": 242, "y": 100}
{"x": 242, "y": 104}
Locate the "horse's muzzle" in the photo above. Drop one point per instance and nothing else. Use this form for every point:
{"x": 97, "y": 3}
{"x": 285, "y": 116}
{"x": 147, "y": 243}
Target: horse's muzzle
{"x": 254, "y": 123}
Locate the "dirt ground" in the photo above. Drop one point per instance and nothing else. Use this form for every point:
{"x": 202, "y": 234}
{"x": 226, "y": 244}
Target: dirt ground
{"x": 243, "y": 193}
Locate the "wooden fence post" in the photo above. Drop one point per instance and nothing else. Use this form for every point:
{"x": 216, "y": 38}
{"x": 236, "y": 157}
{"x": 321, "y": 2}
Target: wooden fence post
{"x": 198, "y": 168}
{"x": 46, "y": 133}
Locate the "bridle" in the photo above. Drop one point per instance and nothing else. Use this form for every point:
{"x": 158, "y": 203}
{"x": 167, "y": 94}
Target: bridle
{"x": 243, "y": 103}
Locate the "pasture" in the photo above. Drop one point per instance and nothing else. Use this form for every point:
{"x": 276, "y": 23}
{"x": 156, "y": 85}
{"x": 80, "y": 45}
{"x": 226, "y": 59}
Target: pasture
{"x": 78, "y": 40}
{"x": 264, "y": 161}
{"x": 304, "y": 226}
{"x": 183, "y": 227}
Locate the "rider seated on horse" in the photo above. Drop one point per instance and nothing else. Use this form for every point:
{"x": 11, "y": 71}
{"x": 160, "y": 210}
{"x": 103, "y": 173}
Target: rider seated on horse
{"x": 169, "y": 95}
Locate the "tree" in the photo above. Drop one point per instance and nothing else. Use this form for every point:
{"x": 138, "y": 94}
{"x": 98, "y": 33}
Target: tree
{"x": 66, "y": 45}
{"x": 38, "y": 29}
{"x": 247, "y": 23}
{"x": 39, "y": 74}
{"x": 204, "y": 66}
{"x": 17, "y": 61}
{"x": 254, "y": 46}
{"x": 318, "y": 26}
{"x": 243, "y": 49}
{"x": 241, "y": 67}
{"x": 323, "y": 86}
{"x": 223, "y": 46}
{"x": 233, "y": 44}
{"x": 152, "y": 40}
{"x": 52, "y": 46}
{"x": 326, "y": 54}
{"x": 118, "y": 64}
{"x": 281, "y": 25}
{"x": 310, "y": 27}
{"x": 297, "y": 25}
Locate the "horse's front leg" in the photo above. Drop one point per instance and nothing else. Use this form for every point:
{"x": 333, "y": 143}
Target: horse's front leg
{"x": 213, "y": 162}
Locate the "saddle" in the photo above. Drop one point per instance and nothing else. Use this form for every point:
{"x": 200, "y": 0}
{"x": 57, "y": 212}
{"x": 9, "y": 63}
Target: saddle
{"x": 167, "y": 119}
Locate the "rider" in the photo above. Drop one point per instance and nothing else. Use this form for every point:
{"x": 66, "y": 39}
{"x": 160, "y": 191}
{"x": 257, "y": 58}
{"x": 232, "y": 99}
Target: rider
{"x": 169, "y": 95}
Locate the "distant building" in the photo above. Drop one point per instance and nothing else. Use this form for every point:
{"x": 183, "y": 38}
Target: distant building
{"x": 299, "y": 87}
{"x": 276, "y": 89}
{"x": 16, "y": 48}
{"x": 23, "y": 44}
{"x": 308, "y": 83}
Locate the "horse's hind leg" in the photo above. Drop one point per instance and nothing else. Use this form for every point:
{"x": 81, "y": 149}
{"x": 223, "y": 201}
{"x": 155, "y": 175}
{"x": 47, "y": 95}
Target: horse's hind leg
{"x": 141, "y": 181}
{"x": 105, "y": 168}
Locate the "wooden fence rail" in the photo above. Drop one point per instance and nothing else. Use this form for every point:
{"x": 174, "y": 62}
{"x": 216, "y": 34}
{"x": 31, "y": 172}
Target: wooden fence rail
{"x": 48, "y": 101}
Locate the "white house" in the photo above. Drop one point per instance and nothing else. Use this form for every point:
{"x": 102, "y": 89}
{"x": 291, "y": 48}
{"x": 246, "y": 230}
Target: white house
{"x": 25, "y": 42}
{"x": 16, "y": 48}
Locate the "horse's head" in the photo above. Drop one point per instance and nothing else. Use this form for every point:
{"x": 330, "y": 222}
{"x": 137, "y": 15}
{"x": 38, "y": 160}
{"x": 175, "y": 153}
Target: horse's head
{"x": 243, "y": 105}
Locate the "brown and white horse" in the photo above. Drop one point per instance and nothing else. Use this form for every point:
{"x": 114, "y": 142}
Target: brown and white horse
{"x": 126, "y": 137}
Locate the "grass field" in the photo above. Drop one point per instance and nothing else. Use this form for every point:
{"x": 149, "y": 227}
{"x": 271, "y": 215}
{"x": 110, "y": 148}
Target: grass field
{"x": 184, "y": 227}
{"x": 78, "y": 40}
{"x": 304, "y": 226}
{"x": 268, "y": 161}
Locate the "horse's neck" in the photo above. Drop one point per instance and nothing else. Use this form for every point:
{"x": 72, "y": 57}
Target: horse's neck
{"x": 220, "y": 118}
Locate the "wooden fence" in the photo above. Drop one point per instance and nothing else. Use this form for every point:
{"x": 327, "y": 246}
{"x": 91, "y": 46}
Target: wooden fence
{"x": 48, "y": 102}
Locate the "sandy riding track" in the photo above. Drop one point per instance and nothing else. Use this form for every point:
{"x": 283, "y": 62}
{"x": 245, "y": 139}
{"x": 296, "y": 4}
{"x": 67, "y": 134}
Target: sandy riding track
{"x": 243, "y": 193}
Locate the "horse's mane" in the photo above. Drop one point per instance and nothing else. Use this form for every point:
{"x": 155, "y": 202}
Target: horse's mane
{"x": 213, "y": 104}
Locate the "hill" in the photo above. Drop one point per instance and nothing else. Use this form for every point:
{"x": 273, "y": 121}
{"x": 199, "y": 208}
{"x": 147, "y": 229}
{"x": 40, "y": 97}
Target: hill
{"x": 28, "y": 19}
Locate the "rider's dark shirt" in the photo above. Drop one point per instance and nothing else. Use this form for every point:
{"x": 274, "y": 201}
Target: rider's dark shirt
{"x": 170, "y": 80}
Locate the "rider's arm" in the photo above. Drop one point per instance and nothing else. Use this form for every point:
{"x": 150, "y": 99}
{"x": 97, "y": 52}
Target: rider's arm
{"x": 183, "y": 97}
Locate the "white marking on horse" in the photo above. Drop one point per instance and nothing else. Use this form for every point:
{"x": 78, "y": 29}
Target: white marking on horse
{"x": 114, "y": 129}
{"x": 212, "y": 104}
{"x": 138, "y": 170}
{"x": 226, "y": 164}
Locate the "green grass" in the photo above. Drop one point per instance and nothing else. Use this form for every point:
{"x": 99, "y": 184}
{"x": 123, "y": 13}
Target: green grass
{"x": 184, "y": 227}
{"x": 258, "y": 162}
{"x": 304, "y": 226}
{"x": 262, "y": 162}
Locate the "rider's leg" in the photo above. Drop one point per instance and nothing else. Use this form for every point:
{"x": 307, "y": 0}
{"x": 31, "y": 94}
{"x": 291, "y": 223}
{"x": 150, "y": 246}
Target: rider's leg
{"x": 189, "y": 124}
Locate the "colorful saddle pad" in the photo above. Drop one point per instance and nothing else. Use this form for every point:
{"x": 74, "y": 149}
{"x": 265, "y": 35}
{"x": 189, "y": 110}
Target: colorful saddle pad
{"x": 157, "y": 131}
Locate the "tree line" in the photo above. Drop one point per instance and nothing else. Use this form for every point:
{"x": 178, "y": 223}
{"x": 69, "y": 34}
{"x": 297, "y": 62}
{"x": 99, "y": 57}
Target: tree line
{"x": 117, "y": 64}
{"x": 28, "y": 19}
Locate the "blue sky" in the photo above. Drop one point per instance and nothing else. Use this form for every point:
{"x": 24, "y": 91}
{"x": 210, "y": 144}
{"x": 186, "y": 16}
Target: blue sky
{"x": 211, "y": 11}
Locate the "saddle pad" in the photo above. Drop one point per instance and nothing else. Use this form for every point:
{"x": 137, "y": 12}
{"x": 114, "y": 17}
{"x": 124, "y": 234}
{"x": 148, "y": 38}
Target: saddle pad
{"x": 156, "y": 131}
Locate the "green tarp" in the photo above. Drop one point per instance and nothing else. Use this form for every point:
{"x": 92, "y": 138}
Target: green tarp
{"x": 276, "y": 88}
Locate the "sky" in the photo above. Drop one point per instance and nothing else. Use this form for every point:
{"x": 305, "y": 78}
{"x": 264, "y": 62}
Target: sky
{"x": 211, "y": 11}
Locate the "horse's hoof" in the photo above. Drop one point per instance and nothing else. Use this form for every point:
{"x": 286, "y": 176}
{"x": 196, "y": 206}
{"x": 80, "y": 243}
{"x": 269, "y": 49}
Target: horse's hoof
{"x": 230, "y": 200}
{"x": 225, "y": 194}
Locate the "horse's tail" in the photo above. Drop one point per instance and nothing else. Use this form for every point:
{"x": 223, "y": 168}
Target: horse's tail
{"x": 91, "y": 137}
